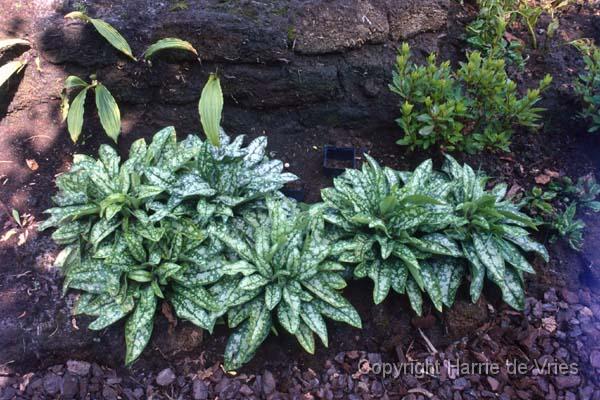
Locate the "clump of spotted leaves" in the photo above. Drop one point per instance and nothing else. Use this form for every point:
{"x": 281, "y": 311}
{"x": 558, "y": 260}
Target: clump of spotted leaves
{"x": 415, "y": 232}
{"x": 389, "y": 228}
{"x": 133, "y": 230}
{"x": 142, "y": 271}
{"x": 492, "y": 233}
{"x": 219, "y": 180}
{"x": 285, "y": 272}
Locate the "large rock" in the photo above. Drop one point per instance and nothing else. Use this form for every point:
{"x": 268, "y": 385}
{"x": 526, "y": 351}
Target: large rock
{"x": 411, "y": 17}
{"x": 332, "y": 26}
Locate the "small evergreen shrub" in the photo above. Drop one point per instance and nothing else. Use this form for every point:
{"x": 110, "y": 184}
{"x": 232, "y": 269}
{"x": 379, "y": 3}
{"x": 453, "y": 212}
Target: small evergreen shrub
{"x": 587, "y": 86}
{"x": 471, "y": 109}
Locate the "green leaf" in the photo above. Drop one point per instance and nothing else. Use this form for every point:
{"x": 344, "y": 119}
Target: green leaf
{"x": 70, "y": 232}
{"x": 399, "y": 276}
{"x": 166, "y": 44}
{"x": 512, "y": 290}
{"x": 312, "y": 318}
{"x": 305, "y": 338}
{"x": 10, "y": 68}
{"x": 75, "y": 116}
{"x": 101, "y": 229}
{"x": 252, "y": 282}
{"x": 108, "y": 111}
{"x": 273, "y": 294}
{"x": 135, "y": 246}
{"x": 288, "y": 318}
{"x": 73, "y": 81}
{"x": 109, "y": 314}
{"x": 346, "y": 313}
{"x": 410, "y": 260}
{"x": 489, "y": 254}
{"x": 437, "y": 243}
{"x": 382, "y": 280}
{"x": 107, "y": 31}
{"x": 477, "y": 271}
{"x": 449, "y": 274}
{"x": 322, "y": 291}
{"x": 246, "y": 339}
{"x": 239, "y": 267}
{"x": 140, "y": 275}
{"x": 138, "y": 328}
{"x": 194, "y": 305}
{"x": 527, "y": 244}
{"x": 210, "y": 108}
{"x": 414, "y": 295}
{"x": 431, "y": 283}
{"x": 513, "y": 256}
{"x": 8, "y": 43}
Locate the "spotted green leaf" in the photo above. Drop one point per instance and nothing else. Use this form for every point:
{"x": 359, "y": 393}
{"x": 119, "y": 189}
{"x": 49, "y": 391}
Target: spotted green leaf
{"x": 305, "y": 338}
{"x": 246, "y": 339}
{"x": 138, "y": 328}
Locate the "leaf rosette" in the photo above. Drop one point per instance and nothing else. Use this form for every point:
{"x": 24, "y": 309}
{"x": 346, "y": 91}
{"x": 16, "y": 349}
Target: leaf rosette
{"x": 135, "y": 231}
{"x": 492, "y": 232}
{"x": 284, "y": 272}
{"x": 127, "y": 277}
{"x": 389, "y": 222}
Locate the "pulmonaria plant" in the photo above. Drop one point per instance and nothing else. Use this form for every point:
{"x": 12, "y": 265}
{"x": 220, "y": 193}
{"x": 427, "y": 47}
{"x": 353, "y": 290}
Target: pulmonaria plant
{"x": 127, "y": 278}
{"x": 471, "y": 109}
{"x": 492, "y": 233}
{"x": 389, "y": 228}
{"x": 219, "y": 179}
{"x": 135, "y": 231}
{"x": 284, "y": 272}
{"x": 97, "y": 198}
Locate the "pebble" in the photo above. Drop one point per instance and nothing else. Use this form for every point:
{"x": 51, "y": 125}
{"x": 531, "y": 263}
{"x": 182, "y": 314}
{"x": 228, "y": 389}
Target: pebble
{"x": 268, "y": 383}
{"x": 52, "y": 383}
{"x": 80, "y": 368}
{"x": 566, "y": 382}
{"x": 199, "y": 390}
{"x": 493, "y": 382}
{"x": 165, "y": 377}
{"x": 595, "y": 359}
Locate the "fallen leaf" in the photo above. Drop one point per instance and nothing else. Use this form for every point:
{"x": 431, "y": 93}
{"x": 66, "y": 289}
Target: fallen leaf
{"x": 549, "y": 324}
{"x": 512, "y": 192}
{"x": 25, "y": 381}
{"x": 542, "y": 179}
{"x": 32, "y": 164}
{"x": 8, "y": 235}
{"x": 422, "y": 391}
{"x": 512, "y": 38}
{"x": 22, "y": 238}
